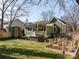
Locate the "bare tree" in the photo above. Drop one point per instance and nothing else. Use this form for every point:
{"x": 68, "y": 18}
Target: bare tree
{"x": 12, "y": 7}
{"x": 72, "y": 13}
{"x": 19, "y": 11}
{"x": 5, "y": 4}
{"x": 15, "y": 7}
{"x": 51, "y": 14}
{"x": 47, "y": 15}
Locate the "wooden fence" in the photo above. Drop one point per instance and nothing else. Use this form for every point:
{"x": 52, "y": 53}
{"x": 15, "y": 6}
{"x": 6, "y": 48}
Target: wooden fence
{"x": 4, "y": 34}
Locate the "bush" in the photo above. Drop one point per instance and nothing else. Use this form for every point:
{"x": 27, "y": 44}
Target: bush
{"x": 69, "y": 37}
{"x": 40, "y": 38}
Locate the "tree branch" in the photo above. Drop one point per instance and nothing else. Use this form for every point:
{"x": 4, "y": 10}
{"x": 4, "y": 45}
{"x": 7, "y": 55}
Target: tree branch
{"x": 9, "y": 5}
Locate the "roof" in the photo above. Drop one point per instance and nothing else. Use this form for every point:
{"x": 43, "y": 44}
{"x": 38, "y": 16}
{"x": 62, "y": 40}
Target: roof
{"x": 42, "y": 22}
{"x": 57, "y": 19}
{"x": 29, "y": 25}
{"x": 17, "y": 23}
{"x": 32, "y": 25}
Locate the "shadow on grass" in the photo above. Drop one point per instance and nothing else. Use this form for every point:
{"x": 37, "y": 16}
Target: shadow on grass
{"x": 28, "y": 52}
{"x": 13, "y": 38}
{"x": 6, "y": 57}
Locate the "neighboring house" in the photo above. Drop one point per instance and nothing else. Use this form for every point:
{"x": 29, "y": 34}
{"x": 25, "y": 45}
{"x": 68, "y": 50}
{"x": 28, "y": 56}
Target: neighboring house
{"x": 30, "y": 30}
{"x": 17, "y": 28}
{"x": 56, "y": 26}
{"x": 40, "y": 28}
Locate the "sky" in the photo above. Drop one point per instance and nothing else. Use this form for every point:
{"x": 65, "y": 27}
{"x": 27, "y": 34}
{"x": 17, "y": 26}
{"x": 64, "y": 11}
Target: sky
{"x": 36, "y": 10}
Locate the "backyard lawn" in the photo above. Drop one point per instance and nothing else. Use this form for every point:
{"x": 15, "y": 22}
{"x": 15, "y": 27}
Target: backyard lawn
{"x": 27, "y": 49}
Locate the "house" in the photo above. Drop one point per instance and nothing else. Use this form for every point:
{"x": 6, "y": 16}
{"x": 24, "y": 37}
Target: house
{"x": 56, "y": 26}
{"x": 40, "y": 28}
{"x": 17, "y": 28}
{"x": 21, "y": 29}
{"x": 35, "y": 29}
{"x": 30, "y": 30}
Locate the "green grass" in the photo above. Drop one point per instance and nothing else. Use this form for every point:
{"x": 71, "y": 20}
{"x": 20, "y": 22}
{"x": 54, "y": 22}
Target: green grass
{"x": 26, "y": 49}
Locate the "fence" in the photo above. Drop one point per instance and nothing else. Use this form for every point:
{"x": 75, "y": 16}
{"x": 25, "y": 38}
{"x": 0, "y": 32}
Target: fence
{"x": 4, "y": 34}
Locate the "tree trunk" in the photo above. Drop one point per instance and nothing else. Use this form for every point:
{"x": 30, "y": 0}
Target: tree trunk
{"x": 2, "y": 20}
{"x": 10, "y": 25}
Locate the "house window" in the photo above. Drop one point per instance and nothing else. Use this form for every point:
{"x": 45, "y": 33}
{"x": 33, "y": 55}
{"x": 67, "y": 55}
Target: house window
{"x": 28, "y": 29}
{"x": 66, "y": 29}
{"x": 33, "y": 29}
{"x": 55, "y": 29}
{"x": 41, "y": 28}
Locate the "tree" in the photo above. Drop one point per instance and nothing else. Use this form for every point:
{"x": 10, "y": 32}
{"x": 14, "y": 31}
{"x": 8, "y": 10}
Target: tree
{"x": 5, "y": 4}
{"x": 47, "y": 15}
{"x": 75, "y": 17}
{"x": 14, "y": 8}
{"x": 21, "y": 9}
{"x": 72, "y": 14}
{"x": 18, "y": 12}
{"x": 44, "y": 16}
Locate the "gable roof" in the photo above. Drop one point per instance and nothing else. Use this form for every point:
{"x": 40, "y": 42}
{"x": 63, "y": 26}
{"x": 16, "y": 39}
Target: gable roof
{"x": 57, "y": 19}
{"x": 17, "y": 23}
{"x": 53, "y": 20}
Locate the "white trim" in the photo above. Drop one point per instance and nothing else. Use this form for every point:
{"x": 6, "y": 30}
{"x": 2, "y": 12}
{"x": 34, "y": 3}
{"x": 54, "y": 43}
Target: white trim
{"x": 60, "y": 21}
{"x": 55, "y": 29}
{"x": 50, "y": 24}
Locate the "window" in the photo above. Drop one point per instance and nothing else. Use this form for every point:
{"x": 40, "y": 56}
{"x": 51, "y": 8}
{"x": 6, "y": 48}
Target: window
{"x": 33, "y": 29}
{"x": 55, "y": 29}
{"x": 28, "y": 29}
{"x": 66, "y": 29}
